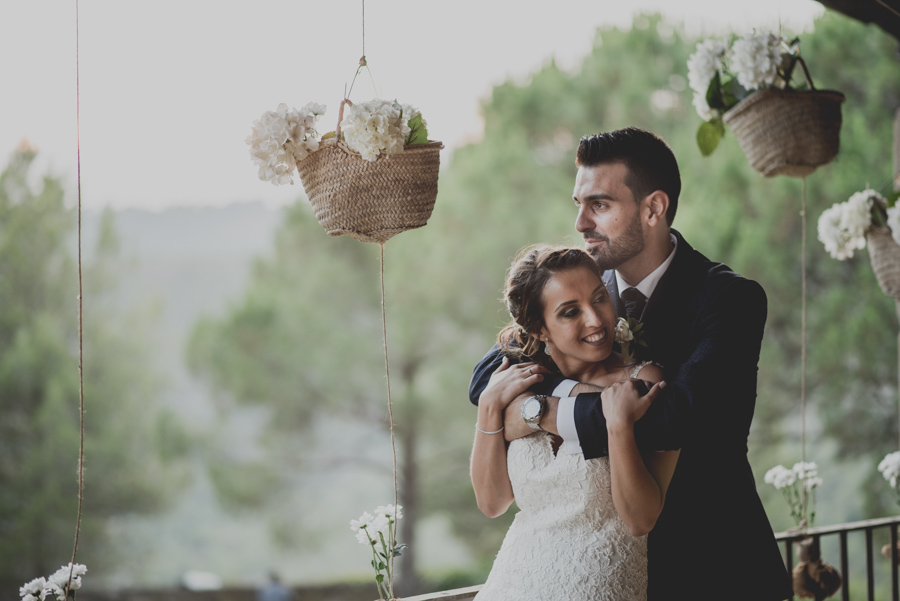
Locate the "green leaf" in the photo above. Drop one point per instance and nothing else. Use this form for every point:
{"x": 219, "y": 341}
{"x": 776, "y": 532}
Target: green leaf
{"x": 379, "y": 578}
{"x": 418, "y": 134}
{"x": 708, "y": 136}
{"x": 892, "y": 199}
{"x": 714, "y": 94}
{"x": 328, "y": 136}
{"x": 398, "y": 549}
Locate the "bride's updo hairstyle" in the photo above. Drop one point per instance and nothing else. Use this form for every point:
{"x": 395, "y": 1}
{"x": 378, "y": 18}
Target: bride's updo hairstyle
{"x": 524, "y": 295}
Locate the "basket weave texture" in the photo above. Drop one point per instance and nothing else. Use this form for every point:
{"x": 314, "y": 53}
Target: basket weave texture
{"x": 788, "y": 132}
{"x": 371, "y": 201}
{"x": 885, "y": 256}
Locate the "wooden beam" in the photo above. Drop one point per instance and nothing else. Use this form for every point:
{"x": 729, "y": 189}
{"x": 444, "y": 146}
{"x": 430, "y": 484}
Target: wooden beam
{"x": 883, "y": 13}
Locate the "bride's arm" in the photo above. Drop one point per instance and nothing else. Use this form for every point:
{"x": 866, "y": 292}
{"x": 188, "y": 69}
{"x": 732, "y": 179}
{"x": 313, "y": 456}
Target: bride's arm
{"x": 638, "y": 486}
{"x": 490, "y": 478}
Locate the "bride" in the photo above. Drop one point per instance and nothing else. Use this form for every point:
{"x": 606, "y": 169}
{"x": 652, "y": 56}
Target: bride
{"x": 580, "y": 533}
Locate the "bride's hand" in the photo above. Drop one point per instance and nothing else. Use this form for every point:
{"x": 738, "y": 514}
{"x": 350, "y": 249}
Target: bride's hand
{"x": 623, "y": 404}
{"x": 508, "y": 382}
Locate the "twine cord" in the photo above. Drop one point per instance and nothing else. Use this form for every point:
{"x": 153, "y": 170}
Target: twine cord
{"x": 362, "y": 59}
{"x": 80, "y": 310}
{"x": 804, "y": 493}
{"x": 387, "y": 372}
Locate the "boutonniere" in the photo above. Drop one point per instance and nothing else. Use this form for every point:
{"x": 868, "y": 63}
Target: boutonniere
{"x": 629, "y": 336}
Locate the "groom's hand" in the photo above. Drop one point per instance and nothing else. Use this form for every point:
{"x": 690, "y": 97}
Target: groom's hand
{"x": 515, "y": 426}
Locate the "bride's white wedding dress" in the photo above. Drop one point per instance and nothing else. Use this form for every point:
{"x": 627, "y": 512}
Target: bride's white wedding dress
{"x": 567, "y": 542}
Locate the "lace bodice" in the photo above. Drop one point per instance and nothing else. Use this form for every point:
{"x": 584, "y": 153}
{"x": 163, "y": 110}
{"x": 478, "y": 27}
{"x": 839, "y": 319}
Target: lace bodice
{"x": 566, "y": 542}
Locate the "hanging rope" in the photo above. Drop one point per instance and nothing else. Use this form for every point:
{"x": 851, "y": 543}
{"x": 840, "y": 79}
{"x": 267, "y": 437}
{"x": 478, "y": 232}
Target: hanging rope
{"x": 362, "y": 59}
{"x": 80, "y": 308}
{"x": 804, "y": 494}
{"x": 387, "y": 371}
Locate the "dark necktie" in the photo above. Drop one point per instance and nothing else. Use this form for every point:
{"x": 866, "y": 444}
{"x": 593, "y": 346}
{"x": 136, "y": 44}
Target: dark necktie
{"x": 634, "y": 302}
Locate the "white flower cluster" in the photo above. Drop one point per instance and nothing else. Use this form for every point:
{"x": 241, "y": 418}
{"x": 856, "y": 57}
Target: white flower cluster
{"x": 755, "y": 59}
{"x": 798, "y": 485}
{"x": 806, "y": 473}
{"x": 377, "y": 127}
{"x": 893, "y": 222}
{"x": 890, "y": 468}
{"x": 55, "y": 585}
{"x": 368, "y": 527}
{"x": 703, "y": 65}
{"x": 842, "y": 228}
{"x": 282, "y": 137}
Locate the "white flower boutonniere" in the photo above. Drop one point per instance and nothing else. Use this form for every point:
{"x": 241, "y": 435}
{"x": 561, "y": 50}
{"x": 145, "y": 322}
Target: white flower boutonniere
{"x": 629, "y": 336}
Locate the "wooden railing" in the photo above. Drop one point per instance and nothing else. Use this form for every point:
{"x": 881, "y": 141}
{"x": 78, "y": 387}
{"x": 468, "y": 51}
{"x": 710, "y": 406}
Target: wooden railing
{"x": 867, "y": 529}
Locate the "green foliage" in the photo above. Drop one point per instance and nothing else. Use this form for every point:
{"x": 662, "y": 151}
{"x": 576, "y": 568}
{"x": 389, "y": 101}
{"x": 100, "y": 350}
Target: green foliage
{"x": 130, "y": 448}
{"x": 709, "y": 134}
{"x": 418, "y": 134}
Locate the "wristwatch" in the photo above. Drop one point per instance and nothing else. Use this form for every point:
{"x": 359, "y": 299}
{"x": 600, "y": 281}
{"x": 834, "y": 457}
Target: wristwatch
{"x": 532, "y": 410}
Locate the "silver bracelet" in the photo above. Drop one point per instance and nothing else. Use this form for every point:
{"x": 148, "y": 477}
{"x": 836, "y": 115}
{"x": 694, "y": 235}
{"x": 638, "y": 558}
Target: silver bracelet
{"x": 486, "y": 432}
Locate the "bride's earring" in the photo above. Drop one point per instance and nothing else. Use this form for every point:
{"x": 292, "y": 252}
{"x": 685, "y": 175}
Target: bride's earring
{"x": 547, "y": 348}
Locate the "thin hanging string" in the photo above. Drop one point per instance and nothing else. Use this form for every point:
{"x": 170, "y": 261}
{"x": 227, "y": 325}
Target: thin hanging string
{"x": 80, "y": 305}
{"x": 890, "y": 8}
{"x": 387, "y": 372}
{"x": 804, "y": 493}
{"x": 362, "y": 59}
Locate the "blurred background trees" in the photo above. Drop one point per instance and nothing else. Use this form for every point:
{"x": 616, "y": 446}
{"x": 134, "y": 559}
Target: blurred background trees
{"x": 131, "y": 446}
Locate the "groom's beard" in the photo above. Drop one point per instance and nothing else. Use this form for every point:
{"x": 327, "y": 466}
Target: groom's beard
{"x": 615, "y": 252}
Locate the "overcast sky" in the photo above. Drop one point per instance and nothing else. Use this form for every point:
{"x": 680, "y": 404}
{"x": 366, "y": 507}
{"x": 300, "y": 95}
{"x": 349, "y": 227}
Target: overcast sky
{"x": 169, "y": 88}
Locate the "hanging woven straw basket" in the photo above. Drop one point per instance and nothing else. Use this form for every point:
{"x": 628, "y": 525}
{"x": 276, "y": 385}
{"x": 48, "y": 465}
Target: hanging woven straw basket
{"x": 788, "y": 132}
{"x": 885, "y": 256}
{"x": 371, "y": 201}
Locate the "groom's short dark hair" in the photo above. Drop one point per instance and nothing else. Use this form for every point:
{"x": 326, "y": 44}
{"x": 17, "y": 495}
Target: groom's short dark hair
{"x": 650, "y": 162}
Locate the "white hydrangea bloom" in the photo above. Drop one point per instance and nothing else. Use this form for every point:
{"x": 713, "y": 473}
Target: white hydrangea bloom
{"x": 394, "y": 513}
{"x": 363, "y": 537}
{"x": 811, "y": 483}
{"x": 377, "y": 127}
{"x": 890, "y": 468}
{"x": 34, "y": 590}
{"x": 780, "y": 477}
{"x": 702, "y": 107}
{"x": 842, "y": 228}
{"x": 623, "y": 332}
{"x": 380, "y": 524}
{"x": 754, "y": 60}
{"x": 704, "y": 63}
{"x": 60, "y": 578}
{"x": 893, "y": 222}
{"x": 364, "y": 520}
{"x": 282, "y": 137}
{"x": 805, "y": 470}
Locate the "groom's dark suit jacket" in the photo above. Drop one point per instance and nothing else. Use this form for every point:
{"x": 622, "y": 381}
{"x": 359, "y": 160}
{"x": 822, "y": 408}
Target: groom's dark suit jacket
{"x": 704, "y": 325}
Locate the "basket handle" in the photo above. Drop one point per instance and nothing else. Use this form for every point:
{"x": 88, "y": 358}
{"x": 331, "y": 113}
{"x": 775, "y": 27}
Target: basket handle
{"x": 809, "y": 80}
{"x": 337, "y": 130}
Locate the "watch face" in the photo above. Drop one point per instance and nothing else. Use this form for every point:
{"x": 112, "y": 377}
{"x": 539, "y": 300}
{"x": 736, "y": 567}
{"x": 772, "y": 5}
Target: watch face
{"x": 531, "y": 409}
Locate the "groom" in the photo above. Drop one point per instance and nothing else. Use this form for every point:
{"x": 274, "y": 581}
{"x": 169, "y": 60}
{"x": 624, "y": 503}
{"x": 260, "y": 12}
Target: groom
{"x": 703, "y": 324}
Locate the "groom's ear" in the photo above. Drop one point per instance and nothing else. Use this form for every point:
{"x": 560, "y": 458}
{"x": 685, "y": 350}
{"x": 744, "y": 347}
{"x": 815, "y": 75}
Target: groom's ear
{"x": 657, "y": 203}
